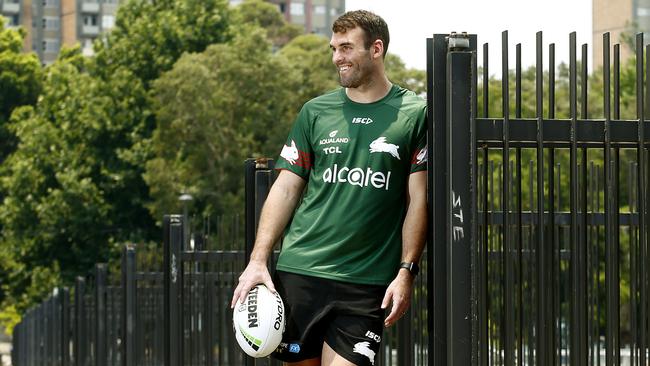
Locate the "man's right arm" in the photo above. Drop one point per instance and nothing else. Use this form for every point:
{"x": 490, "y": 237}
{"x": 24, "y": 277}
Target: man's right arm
{"x": 277, "y": 210}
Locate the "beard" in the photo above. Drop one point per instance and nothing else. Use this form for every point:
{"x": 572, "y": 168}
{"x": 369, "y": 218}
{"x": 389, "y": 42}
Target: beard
{"x": 356, "y": 76}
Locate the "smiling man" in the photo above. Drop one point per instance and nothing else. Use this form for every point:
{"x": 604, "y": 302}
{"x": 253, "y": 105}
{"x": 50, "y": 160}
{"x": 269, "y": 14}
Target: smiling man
{"x": 351, "y": 249}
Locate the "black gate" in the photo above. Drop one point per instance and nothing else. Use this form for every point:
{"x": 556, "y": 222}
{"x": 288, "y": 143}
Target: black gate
{"x": 539, "y": 242}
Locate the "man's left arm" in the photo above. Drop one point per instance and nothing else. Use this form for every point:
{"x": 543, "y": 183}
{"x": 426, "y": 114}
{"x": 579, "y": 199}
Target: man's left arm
{"x": 414, "y": 232}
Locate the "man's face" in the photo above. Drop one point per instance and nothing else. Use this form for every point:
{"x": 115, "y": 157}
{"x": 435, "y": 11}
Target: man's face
{"x": 353, "y": 61}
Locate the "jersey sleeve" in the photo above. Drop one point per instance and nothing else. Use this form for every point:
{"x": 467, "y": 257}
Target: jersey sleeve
{"x": 297, "y": 154}
{"x": 420, "y": 155}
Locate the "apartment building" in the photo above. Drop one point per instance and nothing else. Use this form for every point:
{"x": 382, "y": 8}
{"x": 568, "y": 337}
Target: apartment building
{"x": 51, "y": 24}
{"x": 316, "y": 16}
{"x": 618, "y": 17}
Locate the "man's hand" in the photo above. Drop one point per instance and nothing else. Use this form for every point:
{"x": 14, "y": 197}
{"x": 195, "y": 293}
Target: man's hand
{"x": 399, "y": 294}
{"x": 255, "y": 273}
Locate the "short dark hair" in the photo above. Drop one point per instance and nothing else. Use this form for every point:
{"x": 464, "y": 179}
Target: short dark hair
{"x": 373, "y": 25}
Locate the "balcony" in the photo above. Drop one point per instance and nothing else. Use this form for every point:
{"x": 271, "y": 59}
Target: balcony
{"x": 90, "y": 7}
{"x": 10, "y": 8}
{"x": 90, "y": 30}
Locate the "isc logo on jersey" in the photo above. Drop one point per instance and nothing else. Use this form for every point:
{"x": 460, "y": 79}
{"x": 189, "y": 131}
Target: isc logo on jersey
{"x": 362, "y": 120}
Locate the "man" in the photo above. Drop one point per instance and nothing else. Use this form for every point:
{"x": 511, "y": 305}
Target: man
{"x": 361, "y": 151}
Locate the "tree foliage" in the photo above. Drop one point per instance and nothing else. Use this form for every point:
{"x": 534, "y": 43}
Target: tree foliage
{"x": 20, "y": 81}
{"x": 267, "y": 16}
{"x": 74, "y": 185}
{"x": 204, "y": 134}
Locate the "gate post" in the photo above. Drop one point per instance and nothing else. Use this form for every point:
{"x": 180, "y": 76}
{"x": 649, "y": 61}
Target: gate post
{"x": 173, "y": 282}
{"x": 258, "y": 178}
{"x": 461, "y": 204}
{"x": 452, "y": 70}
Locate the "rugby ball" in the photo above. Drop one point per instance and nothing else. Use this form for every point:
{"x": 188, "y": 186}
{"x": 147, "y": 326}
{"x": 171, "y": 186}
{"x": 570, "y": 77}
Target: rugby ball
{"x": 259, "y": 322}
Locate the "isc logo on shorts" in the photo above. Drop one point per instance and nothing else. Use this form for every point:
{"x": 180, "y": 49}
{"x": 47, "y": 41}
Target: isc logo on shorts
{"x": 373, "y": 336}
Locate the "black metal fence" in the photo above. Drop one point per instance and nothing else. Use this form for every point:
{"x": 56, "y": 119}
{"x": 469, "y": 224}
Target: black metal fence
{"x": 178, "y": 314}
{"x": 542, "y": 259}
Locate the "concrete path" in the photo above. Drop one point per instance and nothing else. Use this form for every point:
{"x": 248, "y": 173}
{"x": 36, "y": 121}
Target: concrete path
{"x": 5, "y": 354}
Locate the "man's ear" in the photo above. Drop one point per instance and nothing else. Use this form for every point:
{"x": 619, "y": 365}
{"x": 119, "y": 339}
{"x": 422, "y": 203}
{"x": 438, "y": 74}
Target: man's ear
{"x": 377, "y": 48}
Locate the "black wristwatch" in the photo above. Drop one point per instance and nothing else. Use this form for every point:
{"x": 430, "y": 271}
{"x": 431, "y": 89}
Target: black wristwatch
{"x": 411, "y": 266}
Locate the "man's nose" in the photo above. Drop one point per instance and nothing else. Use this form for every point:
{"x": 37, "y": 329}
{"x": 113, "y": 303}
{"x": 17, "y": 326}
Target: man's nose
{"x": 336, "y": 57}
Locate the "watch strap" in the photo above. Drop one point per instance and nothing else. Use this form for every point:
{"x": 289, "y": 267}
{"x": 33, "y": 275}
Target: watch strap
{"x": 411, "y": 267}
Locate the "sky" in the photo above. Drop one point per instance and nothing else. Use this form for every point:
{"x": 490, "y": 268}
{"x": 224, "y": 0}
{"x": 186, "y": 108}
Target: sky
{"x": 411, "y": 21}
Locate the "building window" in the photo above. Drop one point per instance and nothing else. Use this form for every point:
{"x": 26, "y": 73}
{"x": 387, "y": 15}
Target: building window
{"x": 319, "y": 9}
{"x": 282, "y": 7}
{"x": 90, "y": 20}
{"x": 642, "y": 12}
{"x": 108, "y": 21}
{"x": 51, "y": 45}
{"x": 12, "y": 20}
{"x": 297, "y": 9}
{"x": 50, "y": 23}
{"x": 51, "y": 3}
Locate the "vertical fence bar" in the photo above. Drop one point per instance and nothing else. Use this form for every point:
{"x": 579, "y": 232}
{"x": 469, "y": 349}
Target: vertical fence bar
{"x": 554, "y": 248}
{"x": 460, "y": 220}
{"x": 576, "y": 354}
{"x": 129, "y": 306}
{"x": 542, "y": 347}
{"x": 584, "y": 254}
{"x": 509, "y": 328}
{"x": 65, "y": 327}
{"x": 612, "y": 257}
{"x": 249, "y": 211}
{"x": 208, "y": 306}
{"x": 640, "y": 99}
{"x": 520, "y": 238}
{"x": 80, "y": 322}
{"x": 483, "y": 252}
{"x": 100, "y": 315}
{"x": 437, "y": 251}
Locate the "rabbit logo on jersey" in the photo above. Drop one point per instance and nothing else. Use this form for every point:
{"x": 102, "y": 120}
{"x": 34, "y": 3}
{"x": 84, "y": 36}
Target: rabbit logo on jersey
{"x": 357, "y": 177}
{"x": 381, "y": 145}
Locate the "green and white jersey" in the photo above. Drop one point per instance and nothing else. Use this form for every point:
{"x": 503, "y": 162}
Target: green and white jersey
{"x": 356, "y": 158}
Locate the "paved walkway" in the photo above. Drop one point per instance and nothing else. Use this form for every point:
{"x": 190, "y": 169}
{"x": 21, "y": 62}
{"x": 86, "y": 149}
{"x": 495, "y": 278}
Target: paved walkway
{"x": 5, "y": 351}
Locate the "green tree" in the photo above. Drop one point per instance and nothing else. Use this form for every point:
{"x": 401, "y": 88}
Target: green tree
{"x": 63, "y": 183}
{"x": 267, "y": 16}
{"x": 149, "y": 36}
{"x": 398, "y": 73}
{"x": 20, "y": 81}
{"x": 214, "y": 109}
{"x": 310, "y": 58}
{"x": 74, "y": 186}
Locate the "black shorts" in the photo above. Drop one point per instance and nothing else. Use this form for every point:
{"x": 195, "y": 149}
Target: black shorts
{"x": 347, "y": 316}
